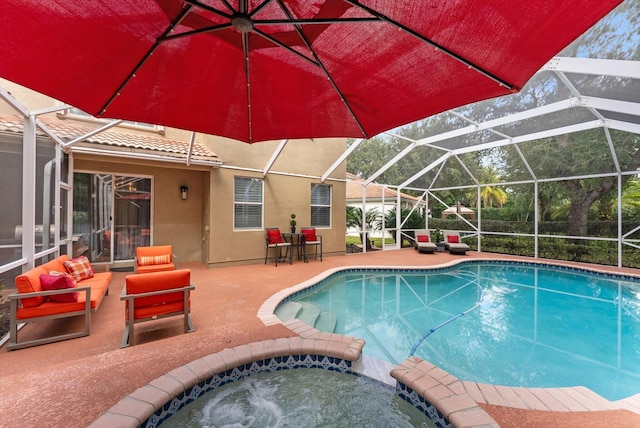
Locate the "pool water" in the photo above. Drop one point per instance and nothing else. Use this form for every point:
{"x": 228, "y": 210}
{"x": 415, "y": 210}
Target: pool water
{"x": 522, "y": 325}
{"x": 305, "y": 397}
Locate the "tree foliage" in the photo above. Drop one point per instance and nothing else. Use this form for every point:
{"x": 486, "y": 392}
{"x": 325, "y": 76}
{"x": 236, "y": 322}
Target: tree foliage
{"x": 569, "y": 157}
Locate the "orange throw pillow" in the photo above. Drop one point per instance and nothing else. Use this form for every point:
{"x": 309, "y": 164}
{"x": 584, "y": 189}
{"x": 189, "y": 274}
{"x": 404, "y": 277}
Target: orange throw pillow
{"x": 80, "y": 268}
{"x": 154, "y": 260}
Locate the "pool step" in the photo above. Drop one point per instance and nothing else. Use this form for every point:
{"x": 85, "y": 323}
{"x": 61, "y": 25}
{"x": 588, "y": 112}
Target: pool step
{"x": 309, "y": 314}
{"x": 288, "y": 310}
{"x": 326, "y": 322}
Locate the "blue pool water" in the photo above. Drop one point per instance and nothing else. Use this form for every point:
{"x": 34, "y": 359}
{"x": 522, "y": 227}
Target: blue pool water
{"x": 526, "y": 325}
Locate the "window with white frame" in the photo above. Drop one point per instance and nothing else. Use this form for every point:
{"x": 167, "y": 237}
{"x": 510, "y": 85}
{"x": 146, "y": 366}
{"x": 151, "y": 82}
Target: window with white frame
{"x": 320, "y": 205}
{"x": 247, "y": 203}
{"x": 79, "y": 114}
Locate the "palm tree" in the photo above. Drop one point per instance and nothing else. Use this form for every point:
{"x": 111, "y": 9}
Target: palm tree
{"x": 415, "y": 220}
{"x": 372, "y": 221}
{"x": 491, "y": 194}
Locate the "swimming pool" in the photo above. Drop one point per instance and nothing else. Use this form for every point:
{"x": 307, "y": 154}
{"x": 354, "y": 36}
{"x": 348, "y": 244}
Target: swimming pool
{"x": 524, "y": 324}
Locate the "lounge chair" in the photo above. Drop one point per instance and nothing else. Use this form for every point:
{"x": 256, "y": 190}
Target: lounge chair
{"x": 452, "y": 243}
{"x": 423, "y": 242}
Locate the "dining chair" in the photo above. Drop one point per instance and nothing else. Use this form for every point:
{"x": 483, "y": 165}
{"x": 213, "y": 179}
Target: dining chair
{"x": 312, "y": 238}
{"x": 275, "y": 240}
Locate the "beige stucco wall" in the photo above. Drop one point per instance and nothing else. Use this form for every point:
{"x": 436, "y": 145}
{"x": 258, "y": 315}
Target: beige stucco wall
{"x": 176, "y": 222}
{"x": 302, "y": 160}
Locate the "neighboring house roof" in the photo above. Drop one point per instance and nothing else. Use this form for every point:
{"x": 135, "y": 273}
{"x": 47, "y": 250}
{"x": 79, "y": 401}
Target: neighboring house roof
{"x": 460, "y": 209}
{"x": 114, "y": 139}
{"x": 374, "y": 191}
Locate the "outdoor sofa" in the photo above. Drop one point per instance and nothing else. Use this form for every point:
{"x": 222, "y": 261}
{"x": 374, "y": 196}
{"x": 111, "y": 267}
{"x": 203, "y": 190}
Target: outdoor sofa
{"x": 60, "y": 288}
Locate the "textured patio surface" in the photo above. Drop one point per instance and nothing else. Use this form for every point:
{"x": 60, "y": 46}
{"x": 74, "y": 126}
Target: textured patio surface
{"x": 71, "y": 383}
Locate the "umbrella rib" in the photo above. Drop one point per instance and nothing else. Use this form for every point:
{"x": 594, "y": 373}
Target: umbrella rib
{"x": 183, "y": 13}
{"x": 212, "y": 9}
{"x": 441, "y": 48}
{"x": 194, "y": 32}
{"x": 318, "y": 21}
{"x": 324, "y": 69}
{"x": 259, "y": 7}
{"x": 247, "y": 73}
{"x": 282, "y": 45}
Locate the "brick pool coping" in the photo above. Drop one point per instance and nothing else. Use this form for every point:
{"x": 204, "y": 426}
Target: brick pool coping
{"x": 459, "y": 402}
{"x": 426, "y": 380}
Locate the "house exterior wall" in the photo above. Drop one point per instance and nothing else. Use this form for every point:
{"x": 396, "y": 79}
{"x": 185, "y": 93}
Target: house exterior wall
{"x": 175, "y": 222}
{"x": 287, "y": 190}
{"x": 201, "y": 228}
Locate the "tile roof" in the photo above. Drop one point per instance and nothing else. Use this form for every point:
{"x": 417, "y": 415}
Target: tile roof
{"x": 373, "y": 190}
{"x": 68, "y": 131}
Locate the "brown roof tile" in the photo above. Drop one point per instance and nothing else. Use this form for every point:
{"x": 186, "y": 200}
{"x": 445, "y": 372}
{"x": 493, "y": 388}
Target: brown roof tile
{"x": 68, "y": 131}
{"x": 373, "y": 190}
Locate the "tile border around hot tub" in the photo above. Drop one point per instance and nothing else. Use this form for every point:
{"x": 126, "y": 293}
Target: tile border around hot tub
{"x": 152, "y": 403}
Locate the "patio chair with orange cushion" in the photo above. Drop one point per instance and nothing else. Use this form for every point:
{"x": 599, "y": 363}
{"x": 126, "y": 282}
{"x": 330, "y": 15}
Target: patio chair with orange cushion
{"x": 157, "y": 258}
{"x": 423, "y": 242}
{"x": 156, "y": 295}
{"x": 311, "y": 237}
{"x": 453, "y": 244}
{"x": 275, "y": 241}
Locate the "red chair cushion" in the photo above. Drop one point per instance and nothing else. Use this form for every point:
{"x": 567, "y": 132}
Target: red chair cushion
{"x": 452, "y": 239}
{"x": 309, "y": 234}
{"x": 275, "y": 237}
{"x": 423, "y": 238}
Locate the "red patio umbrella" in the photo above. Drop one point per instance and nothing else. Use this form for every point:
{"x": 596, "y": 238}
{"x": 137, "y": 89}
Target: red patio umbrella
{"x": 257, "y": 70}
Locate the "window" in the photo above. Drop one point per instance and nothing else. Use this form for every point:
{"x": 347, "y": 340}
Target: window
{"x": 247, "y": 203}
{"x": 320, "y": 205}
{"x": 79, "y": 114}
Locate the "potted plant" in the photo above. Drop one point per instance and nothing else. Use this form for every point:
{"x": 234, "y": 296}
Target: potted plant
{"x": 293, "y": 223}
{"x": 438, "y": 239}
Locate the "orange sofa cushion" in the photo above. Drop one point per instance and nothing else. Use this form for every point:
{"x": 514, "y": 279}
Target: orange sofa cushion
{"x": 99, "y": 283}
{"x": 155, "y": 268}
{"x": 29, "y": 282}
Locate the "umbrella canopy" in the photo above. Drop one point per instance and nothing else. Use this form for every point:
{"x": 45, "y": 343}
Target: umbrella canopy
{"x": 458, "y": 209}
{"x": 257, "y": 70}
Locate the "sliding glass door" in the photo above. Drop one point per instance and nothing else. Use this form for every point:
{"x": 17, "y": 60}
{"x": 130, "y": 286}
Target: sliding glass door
{"x": 111, "y": 216}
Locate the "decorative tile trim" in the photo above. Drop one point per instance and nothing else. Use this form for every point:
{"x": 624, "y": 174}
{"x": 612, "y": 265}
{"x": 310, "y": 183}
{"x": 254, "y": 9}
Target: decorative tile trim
{"x": 439, "y": 395}
{"x": 153, "y": 403}
{"x": 423, "y": 405}
{"x": 267, "y": 310}
{"x": 237, "y": 373}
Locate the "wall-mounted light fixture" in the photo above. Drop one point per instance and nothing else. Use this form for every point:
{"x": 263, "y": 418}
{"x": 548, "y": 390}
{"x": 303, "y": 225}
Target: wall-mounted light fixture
{"x": 183, "y": 192}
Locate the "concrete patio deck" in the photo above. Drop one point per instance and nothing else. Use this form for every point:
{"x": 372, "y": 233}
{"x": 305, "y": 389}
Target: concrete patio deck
{"x": 72, "y": 383}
